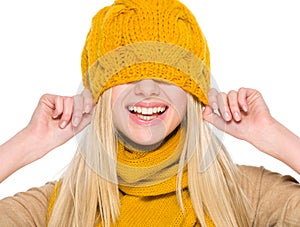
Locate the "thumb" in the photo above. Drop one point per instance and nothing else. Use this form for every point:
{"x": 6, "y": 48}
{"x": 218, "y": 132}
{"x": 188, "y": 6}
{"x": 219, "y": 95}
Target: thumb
{"x": 211, "y": 117}
{"x": 207, "y": 113}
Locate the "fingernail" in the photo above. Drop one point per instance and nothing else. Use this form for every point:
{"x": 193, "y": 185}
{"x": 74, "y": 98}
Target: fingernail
{"x": 227, "y": 116}
{"x": 76, "y": 121}
{"x": 245, "y": 108}
{"x": 55, "y": 116}
{"x": 87, "y": 109}
{"x": 236, "y": 116}
{"x": 215, "y": 106}
{"x": 63, "y": 124}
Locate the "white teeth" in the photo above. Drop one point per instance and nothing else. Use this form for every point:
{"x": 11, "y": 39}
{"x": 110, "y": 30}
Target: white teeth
{"x": 139, "y": 110}
{"x": 146, "y": 118}
{"x": 150, "y": 111}
{"x": 146, "y": 111}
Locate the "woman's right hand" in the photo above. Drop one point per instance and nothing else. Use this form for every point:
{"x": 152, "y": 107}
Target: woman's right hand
{"x": 56, "y": 119}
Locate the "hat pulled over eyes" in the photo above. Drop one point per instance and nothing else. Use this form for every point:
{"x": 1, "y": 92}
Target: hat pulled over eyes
{"x": 133, "y": 40}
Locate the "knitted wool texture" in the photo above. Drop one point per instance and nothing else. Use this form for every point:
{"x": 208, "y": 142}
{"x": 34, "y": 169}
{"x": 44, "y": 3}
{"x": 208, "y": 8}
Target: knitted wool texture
{"x": 146, "y": 39}
{"x": 148, "y": 198}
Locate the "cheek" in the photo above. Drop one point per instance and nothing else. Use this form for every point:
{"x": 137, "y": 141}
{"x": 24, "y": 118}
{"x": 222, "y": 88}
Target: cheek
{"x": 117, "y": 92}
{"x": 179, "y": 102}
{"x": 178, "y": 108}
{"x": 177, "y": 114}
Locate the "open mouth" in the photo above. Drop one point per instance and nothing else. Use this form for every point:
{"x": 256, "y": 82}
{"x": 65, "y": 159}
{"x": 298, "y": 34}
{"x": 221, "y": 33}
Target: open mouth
{"x": 147, "y": 113}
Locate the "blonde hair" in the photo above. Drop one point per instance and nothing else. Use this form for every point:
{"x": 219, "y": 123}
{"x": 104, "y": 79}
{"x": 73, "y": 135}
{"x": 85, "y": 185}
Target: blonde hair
{"x": 89, "y": 191}
{"x": 212, "y": 174}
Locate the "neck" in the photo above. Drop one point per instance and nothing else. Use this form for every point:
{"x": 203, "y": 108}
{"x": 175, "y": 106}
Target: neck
{"x": 133, "y": 146}
{"x": 138, "y": 169}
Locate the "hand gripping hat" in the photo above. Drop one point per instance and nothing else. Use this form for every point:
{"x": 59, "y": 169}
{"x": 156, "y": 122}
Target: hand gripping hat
{"x": 133, "y": 40}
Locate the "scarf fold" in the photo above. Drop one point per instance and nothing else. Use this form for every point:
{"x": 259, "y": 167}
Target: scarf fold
{"x": 148, "y": 183}
{"x": 140, "y": 172}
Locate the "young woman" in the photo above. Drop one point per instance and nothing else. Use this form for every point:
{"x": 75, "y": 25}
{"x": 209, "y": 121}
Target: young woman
{"x": 148, "y": 157}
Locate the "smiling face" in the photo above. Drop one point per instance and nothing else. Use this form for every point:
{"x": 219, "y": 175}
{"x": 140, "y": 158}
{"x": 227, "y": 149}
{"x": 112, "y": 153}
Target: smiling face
{"x": 147, "y": 111}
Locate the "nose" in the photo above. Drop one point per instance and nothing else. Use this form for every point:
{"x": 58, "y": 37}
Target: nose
{"x": 146, "y": 88}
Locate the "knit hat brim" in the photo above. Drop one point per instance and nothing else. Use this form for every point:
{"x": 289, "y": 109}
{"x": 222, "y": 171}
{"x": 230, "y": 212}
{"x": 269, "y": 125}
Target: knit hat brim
{"x": 149, "y": 60}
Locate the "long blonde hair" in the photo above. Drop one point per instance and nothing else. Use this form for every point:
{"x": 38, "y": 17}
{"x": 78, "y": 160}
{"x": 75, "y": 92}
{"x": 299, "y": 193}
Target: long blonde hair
{"x": 89, "y": 189}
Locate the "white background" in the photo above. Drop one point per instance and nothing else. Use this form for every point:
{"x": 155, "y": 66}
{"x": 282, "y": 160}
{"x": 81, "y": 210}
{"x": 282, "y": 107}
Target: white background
{"x": 253, "y": 44}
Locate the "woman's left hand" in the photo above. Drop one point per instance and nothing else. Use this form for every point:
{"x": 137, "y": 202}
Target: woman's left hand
{"x": 245, "y": 115}
{"x": 242, "y": 114}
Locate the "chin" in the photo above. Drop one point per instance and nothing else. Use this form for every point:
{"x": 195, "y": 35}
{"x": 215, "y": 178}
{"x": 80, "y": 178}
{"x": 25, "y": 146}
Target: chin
{"x": 142, "y": 143}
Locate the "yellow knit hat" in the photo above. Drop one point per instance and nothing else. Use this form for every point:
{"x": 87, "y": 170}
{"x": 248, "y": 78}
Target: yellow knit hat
{"x": 138, "y": 39}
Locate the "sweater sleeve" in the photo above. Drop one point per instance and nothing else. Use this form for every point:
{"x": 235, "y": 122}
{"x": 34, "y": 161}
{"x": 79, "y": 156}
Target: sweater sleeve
{"x": 26, "y": 208}
{"x": 275, "y": 199}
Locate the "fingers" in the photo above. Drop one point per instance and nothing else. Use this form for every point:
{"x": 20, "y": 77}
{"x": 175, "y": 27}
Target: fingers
{"x": 77, "y": 110}
{"x": 83, "y": 104}
{"x": 219, "y": 103}
{"x": 229, "y": 105}
{"x": 243, "y": 93}
{"x": 56, "y": 107}
{"x": 68, "y": 109}
{"x": 234, "y": 105}
{"x": 56, "y": 103}
{"x": 87, "y": 100}
{"x": 212, "y": 97}
{"x": 223, "y": 106}
{"x": 63, "y": 109}
{"x": 210, "y": 116}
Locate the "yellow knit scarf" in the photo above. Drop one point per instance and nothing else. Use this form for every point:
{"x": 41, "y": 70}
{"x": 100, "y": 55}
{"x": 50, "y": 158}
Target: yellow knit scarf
{"x": 148, "y": 188}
